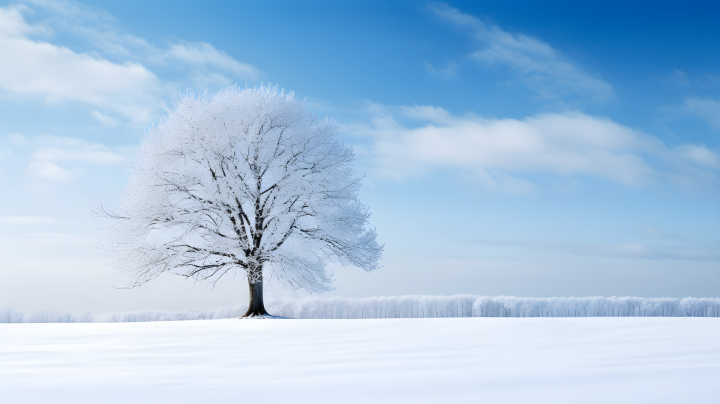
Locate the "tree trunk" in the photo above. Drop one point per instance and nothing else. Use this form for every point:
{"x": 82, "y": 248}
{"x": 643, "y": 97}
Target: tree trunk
{"x": 256, "y": 306}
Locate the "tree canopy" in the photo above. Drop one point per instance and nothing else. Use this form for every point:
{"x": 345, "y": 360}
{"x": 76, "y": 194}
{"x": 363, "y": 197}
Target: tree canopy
{"x": 245, "y": 180}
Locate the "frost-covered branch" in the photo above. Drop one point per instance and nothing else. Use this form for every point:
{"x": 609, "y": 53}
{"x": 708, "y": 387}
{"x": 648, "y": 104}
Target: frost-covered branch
{"x": 244, "y": 180}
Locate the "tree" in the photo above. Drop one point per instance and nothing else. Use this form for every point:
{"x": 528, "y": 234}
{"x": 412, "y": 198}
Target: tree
{"x": 245, "y": 180}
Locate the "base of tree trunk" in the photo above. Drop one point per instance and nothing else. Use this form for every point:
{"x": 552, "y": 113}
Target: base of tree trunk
{"x": 255, "y": 314}
{"x": 256, "y": 308}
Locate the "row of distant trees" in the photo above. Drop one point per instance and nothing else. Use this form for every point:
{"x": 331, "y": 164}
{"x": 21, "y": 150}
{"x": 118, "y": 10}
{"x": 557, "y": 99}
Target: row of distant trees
{"x": 10, "y": 315}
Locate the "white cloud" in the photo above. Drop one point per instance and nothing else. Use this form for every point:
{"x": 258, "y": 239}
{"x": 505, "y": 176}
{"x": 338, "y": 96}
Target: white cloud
{"x": 54, "y": 148}
{"x": 90, "y": 154}
{"x": 698, "y": 154}
{"x": 96, "y": 28}
{"x": 203, "y": 54}
{"x": 51, "y": 151}
{"x": 112, "y": 76}
{"x": 36, "y": 68}
{"x": 47, "y": 171}
{"x": 17, "y": 138}
{"x": 632, "y": 250}
{"x": 543, "y": 69}
{"x": 706, "y": 108}
{"x": 678, "y": 76}
{"x": 501, "y": 151}
{"x": 14, "y": 26}
{"x": 709, "y": 80}
{"x": 105, "y": 120}
{"x": 654, "y": 232}
{"x": 447, "y": 71}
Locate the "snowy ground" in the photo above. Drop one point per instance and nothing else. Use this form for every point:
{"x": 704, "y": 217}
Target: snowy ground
{"x": 444, "y": 360}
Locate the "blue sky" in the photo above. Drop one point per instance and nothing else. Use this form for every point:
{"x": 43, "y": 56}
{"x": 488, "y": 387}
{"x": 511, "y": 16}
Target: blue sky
{"x": 508, "y": 148}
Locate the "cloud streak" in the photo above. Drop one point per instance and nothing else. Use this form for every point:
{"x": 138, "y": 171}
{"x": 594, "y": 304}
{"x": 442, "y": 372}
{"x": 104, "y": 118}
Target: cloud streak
{"x": 56, "y": 73}
{"x": 705, "y": 108}
{"x": 203, "y": 54}
{"x": 114, "y": 78}
{"x": 503, "y": 153}
{"x": 52, "y": 151}
{"x": 628, "y": 250}
{"x": 56, "y": 159}
{"x": 543, "y": 69}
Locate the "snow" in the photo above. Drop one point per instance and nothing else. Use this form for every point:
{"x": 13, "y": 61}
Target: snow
{"x": 458, "y": 360}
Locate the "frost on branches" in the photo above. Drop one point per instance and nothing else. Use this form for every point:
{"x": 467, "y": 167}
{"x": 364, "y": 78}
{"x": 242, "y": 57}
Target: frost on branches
{"x": 244, "y": 180}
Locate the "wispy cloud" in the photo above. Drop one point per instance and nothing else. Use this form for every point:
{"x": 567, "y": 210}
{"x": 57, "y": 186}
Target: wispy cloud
{"x": 448, "y": 71}
{"x": 677, "y": 76}
{"x": 116, "y": 75}
{"x": 705, "y": 108}
{"x": 631, "y": 250}
{"x": 503, "y": 153}
{"x": 698, "y": 154}
{"x": 51, "y": 152}
{"x": 654, "y": 232}
{"x": 57, "y": 159}
{"x": 59, "y": 149}
{"x": 203, "y": 54}
{"x": 48, "y": 171}
{"x": 96, "y": 30}
{"x": 539, "y": 66}
{"x": 56, "y": 73}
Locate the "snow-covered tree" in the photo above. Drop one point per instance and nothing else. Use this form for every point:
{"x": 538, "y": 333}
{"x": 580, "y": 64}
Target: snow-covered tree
{"x": 244, "y": 180}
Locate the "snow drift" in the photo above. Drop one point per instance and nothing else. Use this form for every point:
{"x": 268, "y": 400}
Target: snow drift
{"x": 415, "y": 307}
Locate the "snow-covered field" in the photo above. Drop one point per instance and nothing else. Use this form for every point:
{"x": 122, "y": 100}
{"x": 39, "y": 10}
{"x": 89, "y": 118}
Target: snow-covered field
{"x": 431, "y": 360}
